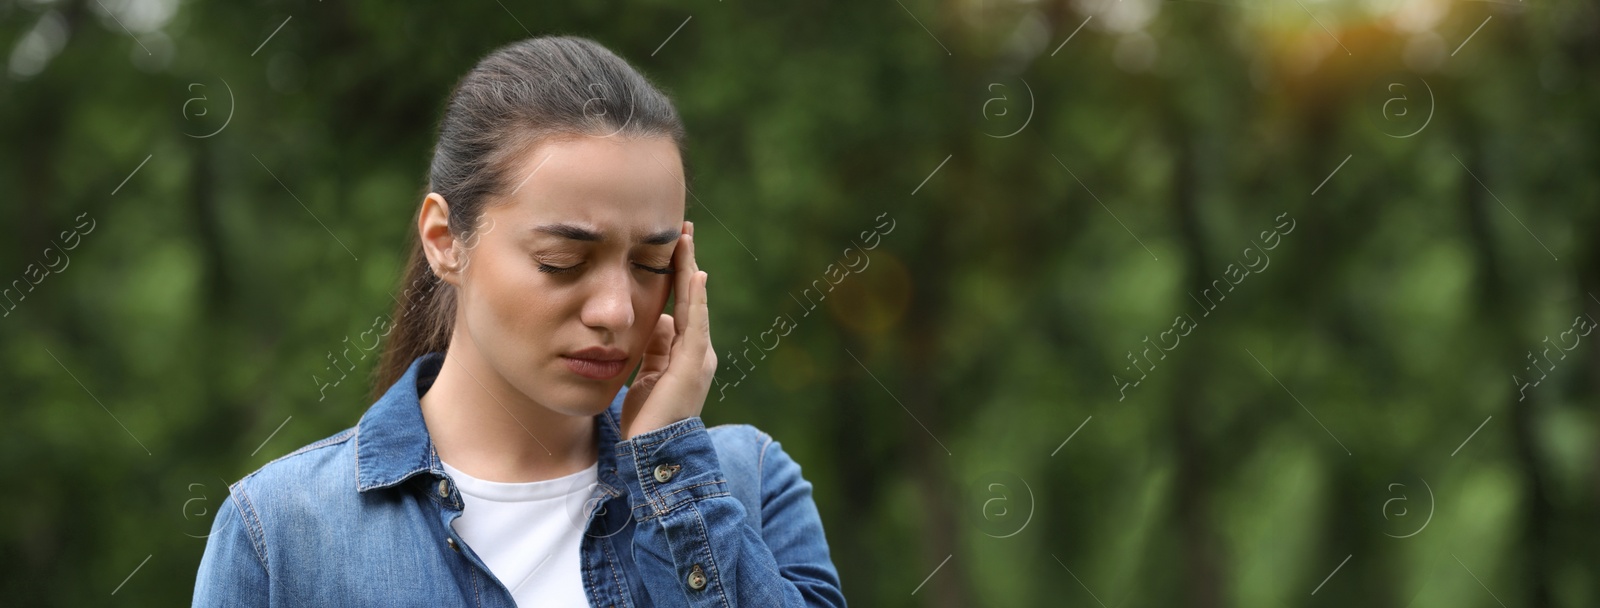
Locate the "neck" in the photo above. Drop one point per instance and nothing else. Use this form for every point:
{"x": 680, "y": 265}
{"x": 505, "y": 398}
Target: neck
{"x": 487, "y": 428}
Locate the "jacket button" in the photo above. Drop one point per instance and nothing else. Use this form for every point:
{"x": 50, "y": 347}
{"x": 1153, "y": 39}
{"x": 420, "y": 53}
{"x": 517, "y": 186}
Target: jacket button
{"x": 444, "y": 488}
{"x": 452, "y": 542}
{"x": 697, "y": 578}
{"x": 664, "y": 472}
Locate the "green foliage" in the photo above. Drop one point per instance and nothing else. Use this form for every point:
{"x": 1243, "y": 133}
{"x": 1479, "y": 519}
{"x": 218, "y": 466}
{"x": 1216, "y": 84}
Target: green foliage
{"x": 1362, "y": 380}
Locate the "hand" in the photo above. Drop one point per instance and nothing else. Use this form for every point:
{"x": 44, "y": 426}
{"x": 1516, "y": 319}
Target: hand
{"x": 679, "y": 361}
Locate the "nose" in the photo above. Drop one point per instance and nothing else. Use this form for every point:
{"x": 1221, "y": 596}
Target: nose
{"x": 610, "y": 302}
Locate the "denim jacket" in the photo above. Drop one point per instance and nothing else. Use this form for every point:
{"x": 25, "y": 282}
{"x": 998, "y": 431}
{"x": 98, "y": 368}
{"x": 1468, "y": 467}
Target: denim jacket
{"x": 681, "y": 516}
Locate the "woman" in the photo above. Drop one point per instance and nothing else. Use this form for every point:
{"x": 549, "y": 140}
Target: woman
{"x": 506, "y": 464}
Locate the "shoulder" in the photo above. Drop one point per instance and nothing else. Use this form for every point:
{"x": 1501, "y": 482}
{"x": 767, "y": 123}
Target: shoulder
{"x": 317, "y": 469}
{"x": 745, "y": 447}
{"x": 329, "y": 455}
{"x": 255, "y": 501}
{"x": 767, "y": 482}
{"x": 759, "y": 472}
{"x": 739, "y": 440}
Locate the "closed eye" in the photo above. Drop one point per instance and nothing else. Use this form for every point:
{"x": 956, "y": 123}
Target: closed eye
{"x": 546, "y": 268}
{"x": 558, "y": 269}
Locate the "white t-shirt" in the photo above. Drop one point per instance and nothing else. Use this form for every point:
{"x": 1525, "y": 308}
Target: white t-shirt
{"x": 528, "y": 533}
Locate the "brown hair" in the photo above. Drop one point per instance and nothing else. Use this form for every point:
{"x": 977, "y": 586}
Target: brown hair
{"x": 517, "y": 97}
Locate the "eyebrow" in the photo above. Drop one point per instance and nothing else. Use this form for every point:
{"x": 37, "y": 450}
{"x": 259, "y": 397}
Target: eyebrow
{"x": 580, "y": 233}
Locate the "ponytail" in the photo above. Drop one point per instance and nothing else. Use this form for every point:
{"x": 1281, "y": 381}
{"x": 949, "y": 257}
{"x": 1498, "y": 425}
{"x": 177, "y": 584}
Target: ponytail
{"x": 423, "y": 319}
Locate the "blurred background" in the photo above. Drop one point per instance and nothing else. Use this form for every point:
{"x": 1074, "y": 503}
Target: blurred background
{"x": 1171, "y": 303}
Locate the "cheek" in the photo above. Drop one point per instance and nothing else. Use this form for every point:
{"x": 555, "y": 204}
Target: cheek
{"x": 651, "y": 300}
{"x": 517, "y": 299}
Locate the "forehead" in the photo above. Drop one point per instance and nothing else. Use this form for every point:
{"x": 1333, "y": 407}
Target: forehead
{"x": 623, "y": 189}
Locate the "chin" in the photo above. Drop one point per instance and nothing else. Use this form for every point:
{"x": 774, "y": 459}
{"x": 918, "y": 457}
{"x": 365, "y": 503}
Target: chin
{"x": 583, "y": 397}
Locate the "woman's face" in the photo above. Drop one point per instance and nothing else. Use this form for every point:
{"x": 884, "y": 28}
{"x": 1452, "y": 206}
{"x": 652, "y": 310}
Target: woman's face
{"x": 571, "y": 259}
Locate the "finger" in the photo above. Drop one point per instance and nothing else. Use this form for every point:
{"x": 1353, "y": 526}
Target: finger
{"x": 694, "y": 260}
{"x": 696, "y": 338}
{"x": 684, "y": 270}
{"x": 659, "y": 349}
{"x": 702, "y": 319}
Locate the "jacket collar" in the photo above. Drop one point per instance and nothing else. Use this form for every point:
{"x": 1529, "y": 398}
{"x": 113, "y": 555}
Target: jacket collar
{"x": 392, "y": 442}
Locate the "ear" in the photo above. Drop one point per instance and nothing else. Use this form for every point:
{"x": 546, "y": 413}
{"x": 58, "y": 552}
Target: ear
{"x": 438, "y": 242}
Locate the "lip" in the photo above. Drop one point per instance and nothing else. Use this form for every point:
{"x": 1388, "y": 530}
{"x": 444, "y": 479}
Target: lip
{"x": 597, "y": 362}
{"x": 599, "y": 353}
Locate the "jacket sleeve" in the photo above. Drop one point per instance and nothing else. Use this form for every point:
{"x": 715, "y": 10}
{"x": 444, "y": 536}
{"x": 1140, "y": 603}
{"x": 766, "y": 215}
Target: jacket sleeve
{"x": 695, "y": 544}
{"x": 233, "y": 570}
